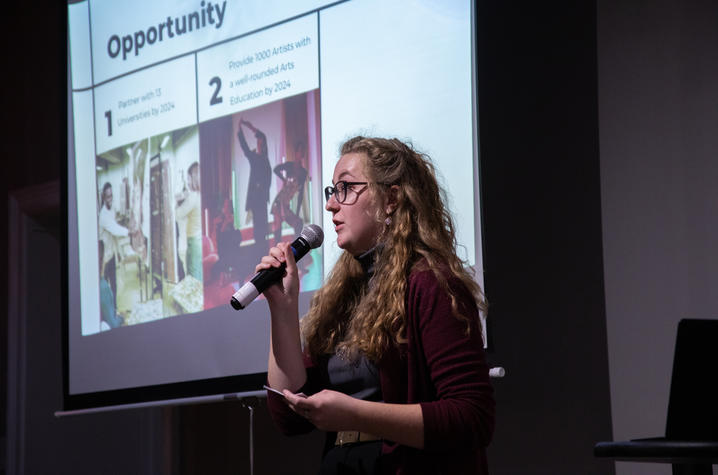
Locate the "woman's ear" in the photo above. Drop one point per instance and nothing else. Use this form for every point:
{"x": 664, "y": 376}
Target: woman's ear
{"x": 392, "y": 199}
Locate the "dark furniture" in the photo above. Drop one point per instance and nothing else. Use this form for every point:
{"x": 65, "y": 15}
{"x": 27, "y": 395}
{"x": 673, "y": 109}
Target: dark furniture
{"x": 691, "y": 441}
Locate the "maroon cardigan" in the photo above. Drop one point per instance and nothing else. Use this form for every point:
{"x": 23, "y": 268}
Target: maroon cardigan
{"x": 439, "y": 367}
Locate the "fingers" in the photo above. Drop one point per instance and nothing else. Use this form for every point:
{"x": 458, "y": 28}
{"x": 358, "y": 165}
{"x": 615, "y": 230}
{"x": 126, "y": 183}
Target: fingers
{"x": 289, "y": 258}
{"x": 299, "y": 403}
{"x": 294, "y": 398}
{"x": 275, "y": 258}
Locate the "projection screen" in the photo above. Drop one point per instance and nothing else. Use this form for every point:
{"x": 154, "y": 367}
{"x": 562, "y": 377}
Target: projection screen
{"x": 176, "y": 110}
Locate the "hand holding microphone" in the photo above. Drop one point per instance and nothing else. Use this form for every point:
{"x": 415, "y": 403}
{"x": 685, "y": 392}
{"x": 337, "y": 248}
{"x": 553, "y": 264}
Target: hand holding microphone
{"x": 283, "y": 295}
{"x": 311, "y": 237}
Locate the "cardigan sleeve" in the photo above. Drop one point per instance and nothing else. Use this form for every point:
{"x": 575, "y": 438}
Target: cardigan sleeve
{"x": 459, "y": 408}
{"x": 286, "y": 420}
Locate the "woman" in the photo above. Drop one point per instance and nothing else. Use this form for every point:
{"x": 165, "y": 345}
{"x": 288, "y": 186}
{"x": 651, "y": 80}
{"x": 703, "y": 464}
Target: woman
{"x": 392, "y": 353}
{"x": 293, "y": 175}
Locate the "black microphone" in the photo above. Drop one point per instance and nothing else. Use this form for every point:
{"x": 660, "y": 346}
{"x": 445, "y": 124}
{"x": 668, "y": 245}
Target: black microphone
{"x": 311, "y": 237}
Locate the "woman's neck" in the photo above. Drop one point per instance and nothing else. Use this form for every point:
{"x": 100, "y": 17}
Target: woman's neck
{"x": 367, "y": 259}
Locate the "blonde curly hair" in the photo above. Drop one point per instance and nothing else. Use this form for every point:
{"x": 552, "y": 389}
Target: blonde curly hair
{"x": 349, "y": 316}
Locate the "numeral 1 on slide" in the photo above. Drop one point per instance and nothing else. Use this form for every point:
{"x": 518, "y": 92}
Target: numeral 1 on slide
{"x": 108, "y": 115}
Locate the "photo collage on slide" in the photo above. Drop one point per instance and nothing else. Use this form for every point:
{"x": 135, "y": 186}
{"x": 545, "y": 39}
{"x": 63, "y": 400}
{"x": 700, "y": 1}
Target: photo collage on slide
{"x": 184, "y": 215}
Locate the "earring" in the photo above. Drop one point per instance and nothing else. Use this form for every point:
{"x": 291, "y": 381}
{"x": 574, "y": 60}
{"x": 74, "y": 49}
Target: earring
{"x": 387, "y": 221}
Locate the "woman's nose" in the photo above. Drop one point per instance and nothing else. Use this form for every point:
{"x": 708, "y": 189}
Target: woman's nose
{"x": 332, "y": 204}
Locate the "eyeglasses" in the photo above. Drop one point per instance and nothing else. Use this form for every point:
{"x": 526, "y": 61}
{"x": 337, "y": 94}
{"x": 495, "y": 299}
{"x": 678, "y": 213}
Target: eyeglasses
{"x": 340, "y": 189}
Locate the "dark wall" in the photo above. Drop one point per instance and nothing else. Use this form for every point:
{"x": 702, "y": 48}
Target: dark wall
{"x": 542, "y": 223}
{"x": 32, "y": 125}
{"x": 658, "y": 89}
{"x": 33, "y": 94}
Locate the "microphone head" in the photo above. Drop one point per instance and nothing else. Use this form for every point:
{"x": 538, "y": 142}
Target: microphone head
{"x": 313, "y": 234}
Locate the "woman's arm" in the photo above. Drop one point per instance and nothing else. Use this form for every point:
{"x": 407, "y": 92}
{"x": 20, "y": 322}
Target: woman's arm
{"x": 282, "y": 170}
{"x": 286, "y": 364}
{"x": 242, "y": 141}
{"x": 334, "y": 411}
{"x": 191, "y": 201}
{"x": 462, "y": 413}
{"x": 248, "y": 124}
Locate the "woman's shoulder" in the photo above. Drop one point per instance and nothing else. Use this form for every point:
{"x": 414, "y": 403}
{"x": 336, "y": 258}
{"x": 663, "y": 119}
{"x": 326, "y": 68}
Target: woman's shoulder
{"x": 439, "y": 279}
{"x": 422, "y": 273}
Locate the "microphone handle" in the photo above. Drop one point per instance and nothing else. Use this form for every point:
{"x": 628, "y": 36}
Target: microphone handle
{"x": 266, "y": 277}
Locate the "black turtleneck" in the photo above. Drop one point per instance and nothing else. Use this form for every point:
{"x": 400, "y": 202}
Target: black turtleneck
{"x": 368, "y": 260}
{"x": 358, "y": 378}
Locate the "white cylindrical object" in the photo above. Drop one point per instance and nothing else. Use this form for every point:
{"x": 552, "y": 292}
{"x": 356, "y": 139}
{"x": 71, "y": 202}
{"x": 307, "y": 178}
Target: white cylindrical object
{"x": 497, "y": 372}
{"x": 246, "y": 294}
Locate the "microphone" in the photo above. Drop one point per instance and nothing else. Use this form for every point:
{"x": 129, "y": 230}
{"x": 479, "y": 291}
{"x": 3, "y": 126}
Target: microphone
{"x": 311, "y": 237}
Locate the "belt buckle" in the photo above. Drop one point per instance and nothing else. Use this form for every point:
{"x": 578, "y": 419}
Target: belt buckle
{"x": 347, "y": 437}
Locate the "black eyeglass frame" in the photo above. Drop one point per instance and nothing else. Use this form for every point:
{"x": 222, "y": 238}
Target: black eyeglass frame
{"x": 344, "y": 189}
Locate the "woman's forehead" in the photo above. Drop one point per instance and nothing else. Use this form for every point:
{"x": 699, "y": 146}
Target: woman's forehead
{"x": 350, "y": 166}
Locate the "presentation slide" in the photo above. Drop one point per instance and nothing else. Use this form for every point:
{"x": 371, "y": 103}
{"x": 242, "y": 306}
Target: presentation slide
{"x": 202, "y": 133}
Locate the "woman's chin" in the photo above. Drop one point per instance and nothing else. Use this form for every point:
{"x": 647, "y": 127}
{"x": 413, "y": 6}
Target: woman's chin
{"x": 345, "y": 245}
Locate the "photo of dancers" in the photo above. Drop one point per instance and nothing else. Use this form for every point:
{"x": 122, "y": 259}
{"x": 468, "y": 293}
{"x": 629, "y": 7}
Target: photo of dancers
{"x": 258, "y": 169}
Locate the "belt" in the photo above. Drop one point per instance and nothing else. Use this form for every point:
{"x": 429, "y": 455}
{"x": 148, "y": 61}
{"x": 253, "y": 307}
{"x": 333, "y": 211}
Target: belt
{"x": 352, "y": 436}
